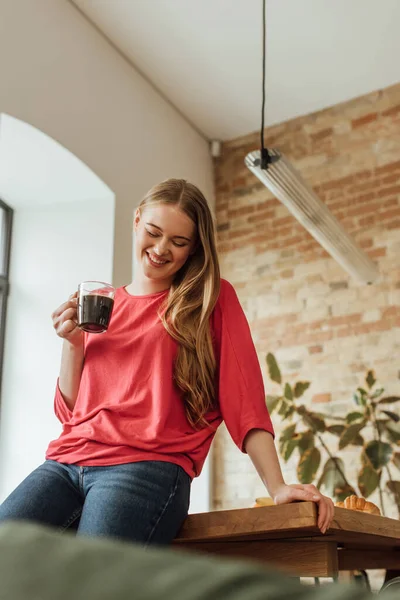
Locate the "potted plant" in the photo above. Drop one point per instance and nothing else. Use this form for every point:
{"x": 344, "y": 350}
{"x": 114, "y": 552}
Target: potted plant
{"x": 307, "y": 430}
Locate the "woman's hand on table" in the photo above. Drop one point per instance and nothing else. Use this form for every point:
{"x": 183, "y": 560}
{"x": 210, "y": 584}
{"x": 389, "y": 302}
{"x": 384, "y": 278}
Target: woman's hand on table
{"x": 286, "y": 494}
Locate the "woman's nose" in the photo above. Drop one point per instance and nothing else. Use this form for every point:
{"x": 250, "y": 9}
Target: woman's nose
{"x": 161, "y": 247}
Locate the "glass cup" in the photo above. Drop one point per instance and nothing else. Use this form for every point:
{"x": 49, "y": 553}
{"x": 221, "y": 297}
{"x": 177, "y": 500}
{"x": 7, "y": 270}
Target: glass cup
{"x": 95, "y": 306}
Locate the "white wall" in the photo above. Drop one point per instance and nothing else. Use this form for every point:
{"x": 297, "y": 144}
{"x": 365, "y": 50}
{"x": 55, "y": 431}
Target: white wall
{"x": 59, "y": 74}
{"x": 53, "y": 249}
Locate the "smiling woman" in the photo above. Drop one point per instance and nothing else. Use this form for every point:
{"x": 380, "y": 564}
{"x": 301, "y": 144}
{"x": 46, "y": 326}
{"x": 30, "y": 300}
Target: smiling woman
{"x": 140, "y": 404}
{"x": 168, "y": 246}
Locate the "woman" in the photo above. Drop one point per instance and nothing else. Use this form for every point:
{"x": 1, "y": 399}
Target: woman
{"x": 140, "y": 404}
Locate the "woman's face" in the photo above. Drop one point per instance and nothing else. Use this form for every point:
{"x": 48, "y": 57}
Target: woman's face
{"x": 165, "y": 238}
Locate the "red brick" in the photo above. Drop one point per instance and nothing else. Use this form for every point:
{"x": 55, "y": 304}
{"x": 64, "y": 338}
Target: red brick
{"x": 287, "y": 274}
{"x": 315, "y": 349}
{"x": 283, "y": 221}
{"x": 238, "y": 233}
{"x": 393, "y": 224}
{"x": 321, "y": 398}
{"x": 390, "y": 311}
{"x": 322, "y": 134}
{"x": 363, "y": 175}
{"x": 389, "y": 191}
{"x": 345, "y": 320}
{"x": 377, "y": 252}
{"x": 389, "y": 214}
{"x": 338, "y": 183}
{"x": 239, "y": 212}
{"x": 366, "y": 243}
{"x": 266, "y": 204}
{"x": 363, "y": 209}
{"x": 364, "y": 120}
{"x": 394, "y": 110}
{"x": 394, "y": 166}
{"x": 391, "y": 202}
{"x": 390, "y": 179}
{"x": 366, "y": 221}
{"x": 261, "y": 216}
{"x": 239, "y": 182}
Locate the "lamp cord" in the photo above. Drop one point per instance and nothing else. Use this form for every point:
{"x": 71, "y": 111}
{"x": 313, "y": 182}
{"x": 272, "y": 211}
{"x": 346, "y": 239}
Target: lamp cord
{"x": 263, "y": 77}
{"x": 265, "y": 158}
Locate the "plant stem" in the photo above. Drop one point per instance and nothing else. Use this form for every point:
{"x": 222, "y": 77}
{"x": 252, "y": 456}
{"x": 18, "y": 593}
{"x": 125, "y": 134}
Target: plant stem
{"x": 377, "y": 433}
{"x": 396, "y": 493}
{"x": 329, "y": 453}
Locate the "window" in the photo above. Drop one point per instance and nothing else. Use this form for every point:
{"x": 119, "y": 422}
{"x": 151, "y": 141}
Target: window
{"x": 6, "y": 214}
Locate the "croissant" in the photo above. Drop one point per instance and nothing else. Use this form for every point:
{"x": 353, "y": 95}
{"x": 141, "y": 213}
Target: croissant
{"x": 360, "y": 504}
{"x": 265, "y": 501}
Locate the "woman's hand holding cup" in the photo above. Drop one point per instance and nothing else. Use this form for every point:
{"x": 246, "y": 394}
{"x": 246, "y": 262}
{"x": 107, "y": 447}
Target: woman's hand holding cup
{"x": 65, "y": 321}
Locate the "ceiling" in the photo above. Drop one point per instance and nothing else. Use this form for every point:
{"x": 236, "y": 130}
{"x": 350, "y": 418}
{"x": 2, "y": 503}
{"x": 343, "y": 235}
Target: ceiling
{"x": 205, "y": 56}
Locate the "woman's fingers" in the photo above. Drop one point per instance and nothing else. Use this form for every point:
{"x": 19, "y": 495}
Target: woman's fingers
{"x": 326, "y": 508}
{"x": 67, "y": 328}
{"x": 71, "y": 303}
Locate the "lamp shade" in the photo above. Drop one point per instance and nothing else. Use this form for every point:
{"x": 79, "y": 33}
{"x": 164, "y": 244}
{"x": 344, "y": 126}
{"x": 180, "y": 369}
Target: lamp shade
{"x": 288, "y": 186}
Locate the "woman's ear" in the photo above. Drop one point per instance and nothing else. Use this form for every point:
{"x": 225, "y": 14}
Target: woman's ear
{"x": 136, "y": 220}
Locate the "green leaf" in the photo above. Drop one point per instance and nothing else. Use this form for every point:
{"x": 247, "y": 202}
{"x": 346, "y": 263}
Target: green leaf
{"x": 300, "y": 388}
{"x": 291, "y": 445}
{"x": 360, "y": 397}
{"x": 370, "y": 379}
{"x": 288, "y": 392}
{"x": 358, "y": 441}
{"x": 396, "y": 459}
{"x": 394, "y": 487}
{"x": 336, "y": 429}
{"x": 306, "y": 440}
{"x": 349, "y": 434}
{"x": 362, "y": 392}
{"x": 272, "y": 403}
{"x": 368, "y": 480}
{"x": 285, "y": 410}
{"x": 379, "y": 453}
{"x": 308, "y": 465}
{"x": 377, "y": 393}
{"x": 389, "y": 400}
{"x": 287, "y": 442}
{"x": 287, "y": 433}
{"x": 391, "y": 430}
{"x": 331, "y": 479}
{"x": 393, "y": 436}
{"x": 343, "y": 492}
{"x": 354, "y": 416}
{"x": 392, "y": 415}
{"x": 313, "y": 420}
{"x": 273, "y": 369}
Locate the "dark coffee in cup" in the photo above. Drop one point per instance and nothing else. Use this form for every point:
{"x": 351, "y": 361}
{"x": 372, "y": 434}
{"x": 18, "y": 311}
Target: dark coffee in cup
{"x": 94, "y": 312}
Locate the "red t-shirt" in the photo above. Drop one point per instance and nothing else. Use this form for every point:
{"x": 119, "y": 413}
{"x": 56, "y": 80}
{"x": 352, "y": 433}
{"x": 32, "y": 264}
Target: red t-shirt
{"x": 129, "y": 409}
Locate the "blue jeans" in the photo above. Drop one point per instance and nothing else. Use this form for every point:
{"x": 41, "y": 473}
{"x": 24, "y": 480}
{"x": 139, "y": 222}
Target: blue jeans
{"x": 143, "y": 502}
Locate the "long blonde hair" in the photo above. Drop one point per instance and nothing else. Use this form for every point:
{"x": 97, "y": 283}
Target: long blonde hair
{"x": 191, "y": 300}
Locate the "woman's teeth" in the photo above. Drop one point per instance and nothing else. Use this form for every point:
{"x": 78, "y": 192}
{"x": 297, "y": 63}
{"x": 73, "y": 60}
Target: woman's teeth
{"x": 155, "y": 260}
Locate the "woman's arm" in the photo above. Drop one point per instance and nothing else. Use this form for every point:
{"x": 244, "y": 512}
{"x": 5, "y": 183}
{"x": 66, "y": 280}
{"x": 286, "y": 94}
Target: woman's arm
{"x": 259, "y": 445}
{"x": 65, "y": 324}
{"x": 70, "y": 372}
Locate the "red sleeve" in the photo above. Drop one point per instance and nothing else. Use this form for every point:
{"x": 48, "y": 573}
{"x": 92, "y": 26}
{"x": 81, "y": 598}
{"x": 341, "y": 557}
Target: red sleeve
{"x": 240, "y": 385}
{"x": 61, "y": 410}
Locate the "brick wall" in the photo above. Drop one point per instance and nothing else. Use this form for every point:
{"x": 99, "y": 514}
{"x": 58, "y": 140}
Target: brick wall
{"x": 301, "y": 305}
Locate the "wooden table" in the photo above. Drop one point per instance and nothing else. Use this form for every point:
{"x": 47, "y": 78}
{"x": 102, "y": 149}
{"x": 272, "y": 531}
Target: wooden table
{"x": 287, "y": 537}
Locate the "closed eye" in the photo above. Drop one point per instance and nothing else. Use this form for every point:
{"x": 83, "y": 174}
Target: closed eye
{"x": 154, "y": 235}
